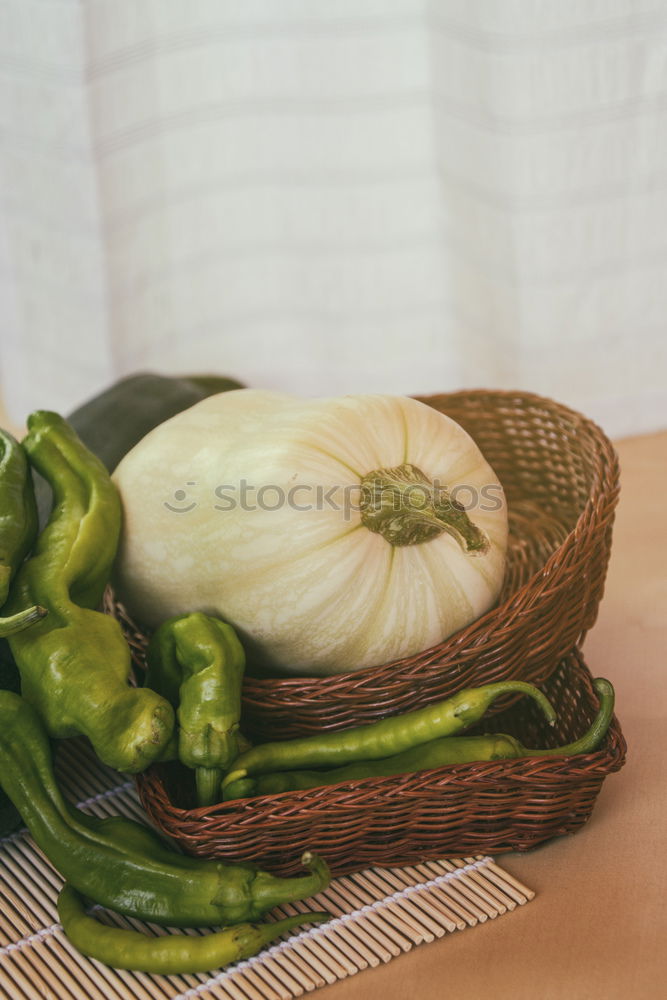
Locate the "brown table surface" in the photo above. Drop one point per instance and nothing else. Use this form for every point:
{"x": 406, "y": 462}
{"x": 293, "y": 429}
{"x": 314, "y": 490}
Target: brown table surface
{"x": 597, "y": 929}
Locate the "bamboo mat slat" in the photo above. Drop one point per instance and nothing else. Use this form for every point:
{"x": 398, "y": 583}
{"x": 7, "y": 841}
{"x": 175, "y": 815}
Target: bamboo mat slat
{"x": 376, "y": 916}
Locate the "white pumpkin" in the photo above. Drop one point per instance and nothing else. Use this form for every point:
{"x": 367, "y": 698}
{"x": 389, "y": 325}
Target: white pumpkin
{"x": 329, "y": 532}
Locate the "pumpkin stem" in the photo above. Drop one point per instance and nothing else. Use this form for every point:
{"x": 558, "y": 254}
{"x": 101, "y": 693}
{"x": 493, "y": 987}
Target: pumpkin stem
{"x": 407, "y": 508}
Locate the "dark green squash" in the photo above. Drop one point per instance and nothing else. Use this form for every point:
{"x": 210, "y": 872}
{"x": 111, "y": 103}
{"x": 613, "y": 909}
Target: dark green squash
{"x": 112, "y": 422}
{"x": 10, "y": 680}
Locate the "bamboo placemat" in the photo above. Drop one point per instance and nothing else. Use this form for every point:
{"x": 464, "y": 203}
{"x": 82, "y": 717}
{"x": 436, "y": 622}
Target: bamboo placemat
{"x": 377, "y": 915}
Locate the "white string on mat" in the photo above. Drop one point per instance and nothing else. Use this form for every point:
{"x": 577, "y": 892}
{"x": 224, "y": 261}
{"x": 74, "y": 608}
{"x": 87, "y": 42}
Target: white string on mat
{"x": 34, "y": 938}
{"x": 103, "y": 796}
{"x": 39, "y": 935}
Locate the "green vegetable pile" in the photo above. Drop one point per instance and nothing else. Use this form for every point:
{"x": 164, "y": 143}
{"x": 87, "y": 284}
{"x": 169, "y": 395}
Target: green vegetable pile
{"x": 72, "y": 665}
{"x": 124, "y": 866}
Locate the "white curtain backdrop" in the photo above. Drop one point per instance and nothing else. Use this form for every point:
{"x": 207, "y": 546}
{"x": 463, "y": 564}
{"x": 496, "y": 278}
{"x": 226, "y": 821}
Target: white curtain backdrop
{"x": 333, "y": 196}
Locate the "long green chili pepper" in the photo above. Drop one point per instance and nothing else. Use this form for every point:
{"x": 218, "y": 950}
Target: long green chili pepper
{"x": 175, "y": 954}
{"x": 75, "y": 665}
{"x": 121, "y": 864}
{"x": 383, "y": 738}
{"x": 18, "y": 527}
{"x": 196, "y": 662}
{"x": 442, "y": 752}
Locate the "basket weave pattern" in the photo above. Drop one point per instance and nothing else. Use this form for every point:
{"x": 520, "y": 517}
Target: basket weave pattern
{"x": 489, "y": 807}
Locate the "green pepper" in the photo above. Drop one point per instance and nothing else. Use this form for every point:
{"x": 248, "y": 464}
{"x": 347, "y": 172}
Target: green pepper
{"x": 120, "y": 863}
{"x": 383, "y": 738}
{"x": 18, "y": 527}
{"x": 175, "y": 954}
{"x": 443, "y": 752}
{"x": 75, "y": 664}
{"x": 196, "y": 662}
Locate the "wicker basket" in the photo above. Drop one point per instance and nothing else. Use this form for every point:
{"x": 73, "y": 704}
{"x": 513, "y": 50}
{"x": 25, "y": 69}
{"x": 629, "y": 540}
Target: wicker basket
{"x": 455, "y": 811}
{"x": 561, "y": 479}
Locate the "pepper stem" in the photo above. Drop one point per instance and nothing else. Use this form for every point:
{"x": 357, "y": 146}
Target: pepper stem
{"x": 207, "y": 781}
{"x": 270, "y": 890}
{"x": 471, "y": 703}
{"x": 22, "y": 620}
{"x": 594, "y": 735}
{"x": 407, "y": 508}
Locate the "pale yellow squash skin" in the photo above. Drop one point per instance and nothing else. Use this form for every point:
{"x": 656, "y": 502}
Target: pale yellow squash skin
{"x": 311, "y": 592}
